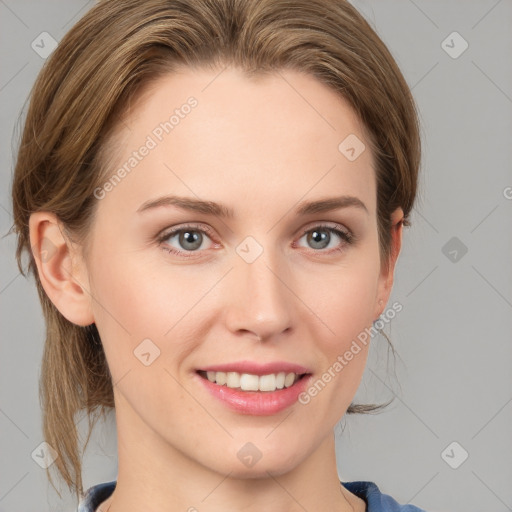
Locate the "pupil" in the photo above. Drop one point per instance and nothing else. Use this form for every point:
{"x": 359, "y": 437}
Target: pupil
{"x": 190, "y": 237}
{"x": 319, "y": 237}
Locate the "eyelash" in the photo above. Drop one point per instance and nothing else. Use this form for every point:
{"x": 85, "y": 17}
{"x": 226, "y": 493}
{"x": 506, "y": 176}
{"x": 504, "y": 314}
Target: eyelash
{"x": 346, "y": 236}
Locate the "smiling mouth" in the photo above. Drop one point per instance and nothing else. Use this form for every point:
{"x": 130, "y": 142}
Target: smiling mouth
{"x": 251, "y": 382}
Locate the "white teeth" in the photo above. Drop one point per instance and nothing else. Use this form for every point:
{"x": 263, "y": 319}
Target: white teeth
{"x": 288, "y": 381}
{"x": 220, "y": 378}
{"x": 233, "y": 380}
{"x": 250, "y": 382}
{"x": 267, "y": 382}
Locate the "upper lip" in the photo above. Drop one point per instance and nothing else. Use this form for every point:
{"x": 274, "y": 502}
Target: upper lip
{"x": 257, "y": 368}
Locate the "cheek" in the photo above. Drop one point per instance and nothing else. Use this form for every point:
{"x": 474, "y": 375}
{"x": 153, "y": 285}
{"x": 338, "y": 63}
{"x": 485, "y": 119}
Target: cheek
{"x": 134, "y": 302}
{"x": 343, "y": 299}
{"x": 124, "y": 310}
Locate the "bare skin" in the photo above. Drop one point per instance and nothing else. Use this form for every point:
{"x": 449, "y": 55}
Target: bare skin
{"x": 260, "y": 148}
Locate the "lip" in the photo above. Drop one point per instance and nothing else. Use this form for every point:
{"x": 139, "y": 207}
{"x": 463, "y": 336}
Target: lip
{"x": 256, "y": 403}
{"x": 257, "y": 368}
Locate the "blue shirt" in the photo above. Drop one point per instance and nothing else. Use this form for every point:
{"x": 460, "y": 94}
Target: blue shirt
{"x": 368, "y": 491}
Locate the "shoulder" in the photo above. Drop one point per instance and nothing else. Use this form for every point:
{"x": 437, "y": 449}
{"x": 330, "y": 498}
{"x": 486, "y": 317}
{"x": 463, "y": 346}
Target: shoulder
{"x": 95, "y": 495}
{"x": 376, "y": 501}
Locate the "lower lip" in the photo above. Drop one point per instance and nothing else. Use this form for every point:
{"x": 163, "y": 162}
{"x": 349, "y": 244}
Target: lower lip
{"x": 257, "y": 403}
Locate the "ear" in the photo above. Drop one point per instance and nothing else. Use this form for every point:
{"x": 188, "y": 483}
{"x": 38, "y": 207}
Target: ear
{"x": 387, "y": 271}
{"x": 61, "y": 270}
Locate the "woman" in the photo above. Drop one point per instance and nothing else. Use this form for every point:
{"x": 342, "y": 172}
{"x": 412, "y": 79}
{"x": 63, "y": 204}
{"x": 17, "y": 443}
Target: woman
{"x": 212, "y": 194}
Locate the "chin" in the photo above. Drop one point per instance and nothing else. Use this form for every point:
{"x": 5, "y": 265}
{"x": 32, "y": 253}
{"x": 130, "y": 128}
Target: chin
{"x": 276, "y": 464}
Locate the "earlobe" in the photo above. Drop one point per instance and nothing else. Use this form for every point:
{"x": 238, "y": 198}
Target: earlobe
{"x": 62, "y": 278}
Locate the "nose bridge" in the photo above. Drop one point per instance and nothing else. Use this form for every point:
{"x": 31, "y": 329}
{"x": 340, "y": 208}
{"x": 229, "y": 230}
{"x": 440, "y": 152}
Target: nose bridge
{"x": 261, "y": 301}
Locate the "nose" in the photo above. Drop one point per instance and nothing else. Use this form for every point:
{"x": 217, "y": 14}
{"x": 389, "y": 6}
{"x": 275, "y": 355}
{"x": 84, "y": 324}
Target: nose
{"x": 260, "y": 298}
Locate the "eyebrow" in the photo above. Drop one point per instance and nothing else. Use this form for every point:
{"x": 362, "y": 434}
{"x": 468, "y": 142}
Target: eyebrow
{"x": 220, "y": 210}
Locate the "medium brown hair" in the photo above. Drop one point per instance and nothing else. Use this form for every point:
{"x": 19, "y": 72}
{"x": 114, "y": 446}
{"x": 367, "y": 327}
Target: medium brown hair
{"x": 100, "y": 66}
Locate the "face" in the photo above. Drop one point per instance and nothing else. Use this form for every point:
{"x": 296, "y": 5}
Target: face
{"x": 269, "y": 289}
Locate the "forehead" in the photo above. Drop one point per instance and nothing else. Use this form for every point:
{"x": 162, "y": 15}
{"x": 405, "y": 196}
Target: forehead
{"x": 216, "y": 133}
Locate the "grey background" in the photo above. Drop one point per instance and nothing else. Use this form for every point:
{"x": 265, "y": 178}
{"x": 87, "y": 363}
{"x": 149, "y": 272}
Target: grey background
{"x": 453, "y": 376}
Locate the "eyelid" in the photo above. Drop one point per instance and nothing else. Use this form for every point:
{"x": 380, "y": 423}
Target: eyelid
{"x": 190, "y": 225}
{"x": 328, "y": 225}
{"x": 345, "y": 234}
{"x": 168, "y": 232}
{"x": 204, "y": 227}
